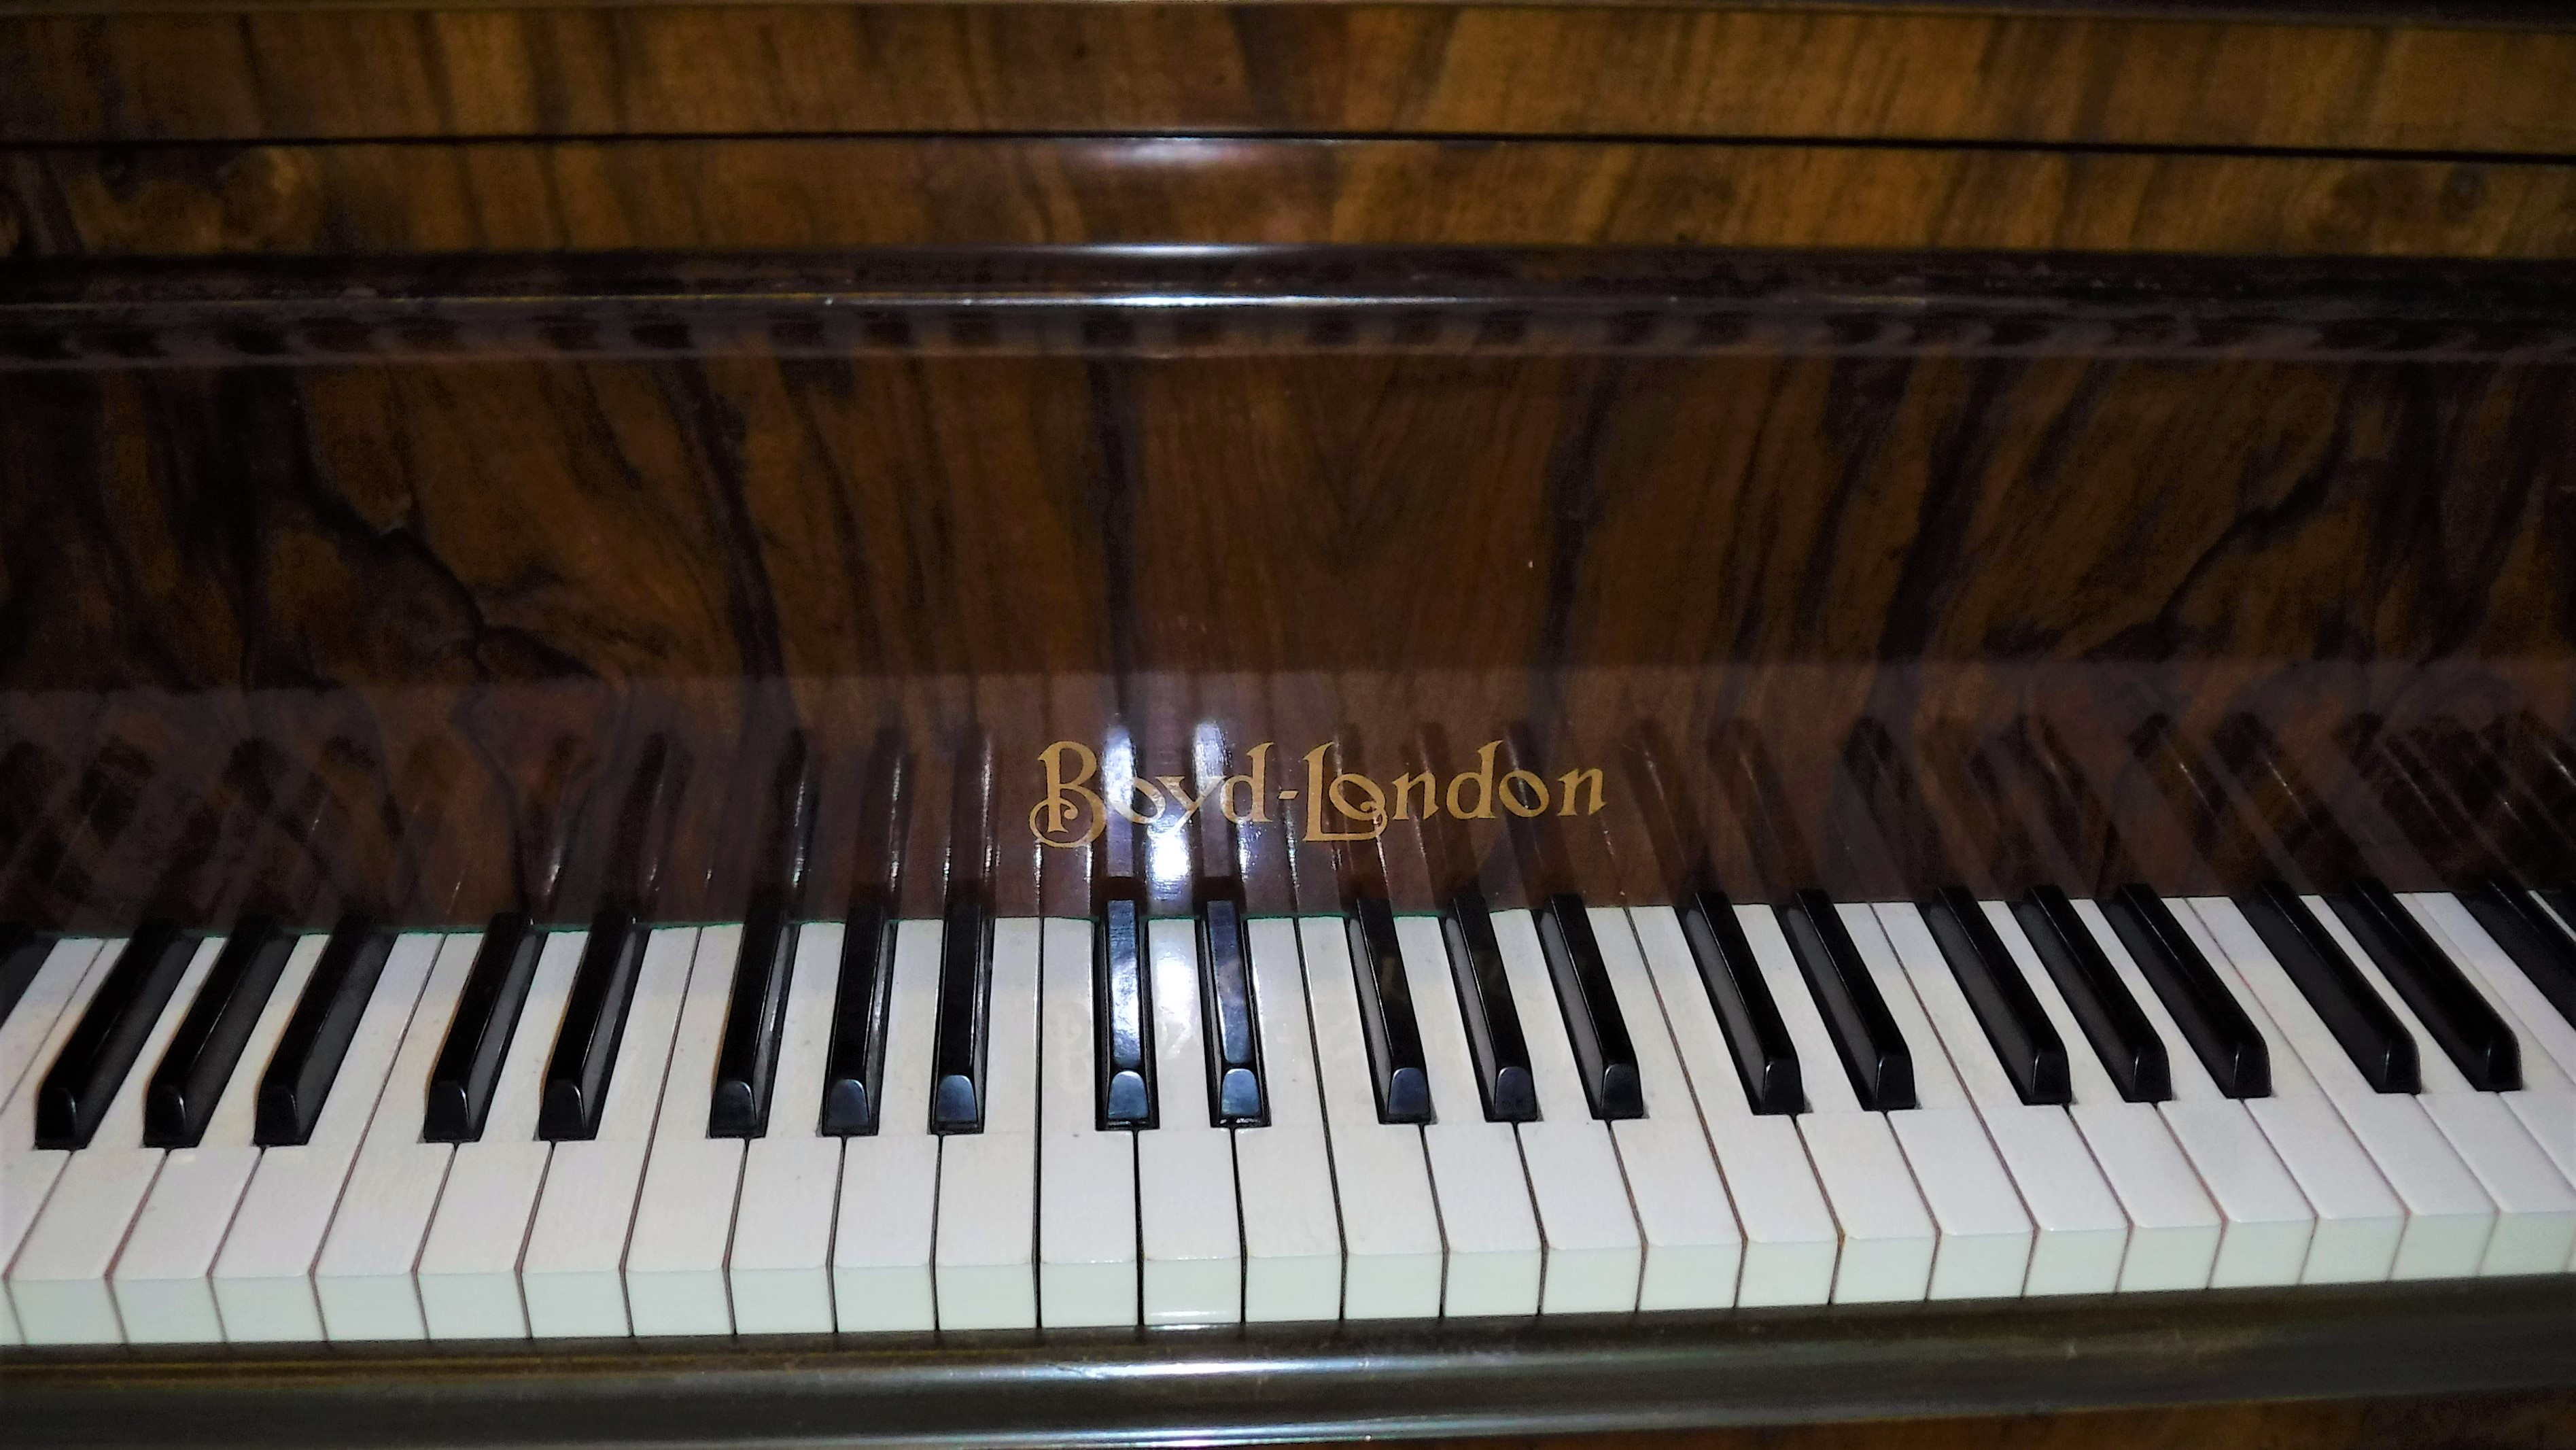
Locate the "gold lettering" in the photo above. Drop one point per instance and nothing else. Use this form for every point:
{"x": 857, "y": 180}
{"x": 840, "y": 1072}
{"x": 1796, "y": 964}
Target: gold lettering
{"x": 1316, "y": 830}
{"x": 1572, "y": 781}
{"x": 1482, "y": 780}
{"x": 1059, "y": 806}
{"x": 1537, "y": 790}
{"x": 1404, "y": 785}
{"x": 1189, "y": 804}
{"x": 1374, "y": 811}
{"x": 1255, "y": 784}
{"x": 1123, "y": 801}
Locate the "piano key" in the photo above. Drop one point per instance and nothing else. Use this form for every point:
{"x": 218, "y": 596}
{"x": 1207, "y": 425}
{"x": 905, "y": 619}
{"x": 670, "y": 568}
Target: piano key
{"x": 2532, "y": 935}
{"x": 2126, "y": 1047}
{"x": 2292, "y": 937}
{"x": 2535, "y": 1230}
{"x": 162, "y": 1279}
{"x": 2449, "y": 1218}
{"x": 854, "y": 1069}
{"x": 2019, "y": 1033}
{"x": 58, "y": 1282}
{"x": 755, "y": 1014}
{"x": 458, "y": 1097}
{"x": 1765, "y": 1061}
{"x": 1225, "y": 990}
{"x": 2268, "y": 1224}
{"x": 1086, "y": 1217}
{"x": 1790, "y": 1240}
{"x": 675, "y": 1252}
{"x": 60, "y": 969}
{"x": 594, "y": 1023}
{"x": 1591, "y": 1010}
{"x": 779, "y": 1267}
{"x": 577, "y": 1239}
{"x": 1496, "y": 1257}
{"x": 363, "y": 1279}
{"x": 2174, "y": 1229}
{"x": 1888, "y": 1235}
{"x": 1855, "y": 1021}
{"x": 263, "y": 1279}
{"x": 985, "y": 1249}
{"x": 1392, "y": 1033}
{"x": 1390, "y": 1222}
{"x": 1190, "y": 1230}
{"x": 35, "y": 1033}
{"x": 958, "y": 1059}
{"x": 885, "y": 1213}
{"x": 299, "y": 1078}
{"x": 86, "y": 1076}
{"x": 2525, "y": 1007}
{"x": 2546, "y": 1101}
{"x": 2423, "y": 987}
{"x": 1292, "y": 1236}
{"x": 2080, "y": 1234}
{"x": 1126, "y": 1022}
{"x": 22, "y": 955}
{"x": 2201, "y": 1009}
{"x": 469, "y": 1264}
{"x": 1495, "y": 1042}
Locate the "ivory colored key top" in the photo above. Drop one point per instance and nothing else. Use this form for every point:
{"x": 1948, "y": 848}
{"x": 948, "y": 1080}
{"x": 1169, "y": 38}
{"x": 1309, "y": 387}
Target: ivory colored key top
{"x": 1087, "y": 1272}
{"x": 675, "y": 1282}
{"x": 1186, "y": 1209}
{"x": 43, "y": 1017}
{"x": 1390, "y": 1224}
{"x": 1496, "y": 1256}
{"x": 1292, "y": 1237}
{"x": 2546, "y": 1101}
{"x": 881, "y": 1236}
{"x": 985, "y": 1252}
{"x": 779, "y": 1269}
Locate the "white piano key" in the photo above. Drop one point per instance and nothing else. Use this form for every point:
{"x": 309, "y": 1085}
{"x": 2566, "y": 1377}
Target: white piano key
{"x": 779, "y": 1269}
{"x": 34, "y": 1033}
{"x": 2535, "y": 1228}
{"x": 364, "y": 1277}
{"x": 577, "y": 1240}
{"x": 887, "y": 1208}
{"x": 23, "y": 1032}
{"x": 985, "y": 1248}
{"x": 2546, "y": 1101}
{"x": 1292, "y": 1233}
{"x": 1496, "y": 1258}
{"x": 1791, "y": 1243}
{"x": 1693, "y": 1247}
{"x": 675, "y": 1258}
{"x": 264, "y": 1277}
{"x": 58, "y": 1283}
{"x": 164, "y": 1292}
{"x": 469, "y": 1264}
{"x": 1390, "y": 1222}
{"x": 2496, "y": 973}
{"x": 1594, "y": 1254}
{"x": 2449, "y": 1218}
{"x": 1087, "y": 1271}
{"x": 1889, "y": 1239}
{"x": 2267, "y": 1221}
{"x": 1188, "y": 1222}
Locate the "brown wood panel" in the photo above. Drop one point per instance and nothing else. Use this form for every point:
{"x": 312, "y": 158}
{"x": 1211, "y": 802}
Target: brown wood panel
{"x": 775, "y": 194}
{"x": 1158, "y": 68}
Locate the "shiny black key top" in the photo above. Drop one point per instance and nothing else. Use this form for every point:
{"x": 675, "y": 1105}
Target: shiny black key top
{"x": 2452, "y": 1012}
{"x": 1122, "y": 993}
{"x": 603, "y": 988}
{"x": 208, "y": 1046}
{"x": 109, "y": 1036}
{"x": 459, "y": 1096}
{"x": 854, "y": 1066}
{"x": 2208, "y": 1015}
{"x": 1758, "y": 1040}
{"x": 1602, "y": 1050}
{"x": 1876, "y": 1059}
{"x": 307, "y": 1062}
{"x": 965, "y": 996}
{"x": 2023, "y": 1038}
{"x": 22, "y": 955}
{"x": 1494, "y": 1040}
{"x": 2123, "y": 1039}
{"x": 2370, "y": 1034}
{"x": 755, "y": 1019}
{"x": 1386, "y": 1015}
{"x": 2523, "y": 930}
{"x": 1225, "y": 996}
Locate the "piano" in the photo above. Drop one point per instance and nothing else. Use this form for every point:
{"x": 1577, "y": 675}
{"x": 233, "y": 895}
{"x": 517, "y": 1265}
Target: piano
{"x": 1031, "y": 722}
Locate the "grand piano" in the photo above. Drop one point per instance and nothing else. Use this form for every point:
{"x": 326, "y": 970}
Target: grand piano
{"x": 1044, "y": 722}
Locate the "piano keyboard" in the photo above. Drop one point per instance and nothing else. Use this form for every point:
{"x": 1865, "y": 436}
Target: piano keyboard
{"x": 979, "y": 1122}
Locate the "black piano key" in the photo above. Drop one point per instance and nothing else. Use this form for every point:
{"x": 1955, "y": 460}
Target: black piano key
{"x": 603, "y": 988}
{"x": 1756, "y": 1038}
{"x": 203, "y": 1054}
{"x": 1494, "y": 1039}
{"x": 965, "y": 996}
{"x": 459, "y": 1095}
{"x": 2535, "y": 943}
{"x": 22, "y": 955}
{"x": 1123, "y": 991}
{"x": 755, "y": 1019}
{"x": 2452, "y": 1012}
{"x": 1235, "y": 1098}
{"x": 2209, "y": 1016}
{"x": 854, "y": 1066}
{"x": 2370, "y": 1034}
{"x": 2123, "y": 1039}
{"x": 2024, "y": 1040}
{"x": 1874, "y": 1056}
{"x": 1602, "y": 1050}
{"x": 307, "y": 1062}
{"x": 102, "y": 1048}
{"x": 1386, "y": 1015}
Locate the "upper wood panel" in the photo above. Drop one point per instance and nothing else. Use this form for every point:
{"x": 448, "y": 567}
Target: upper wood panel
{"x": 1337, "y": 69}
